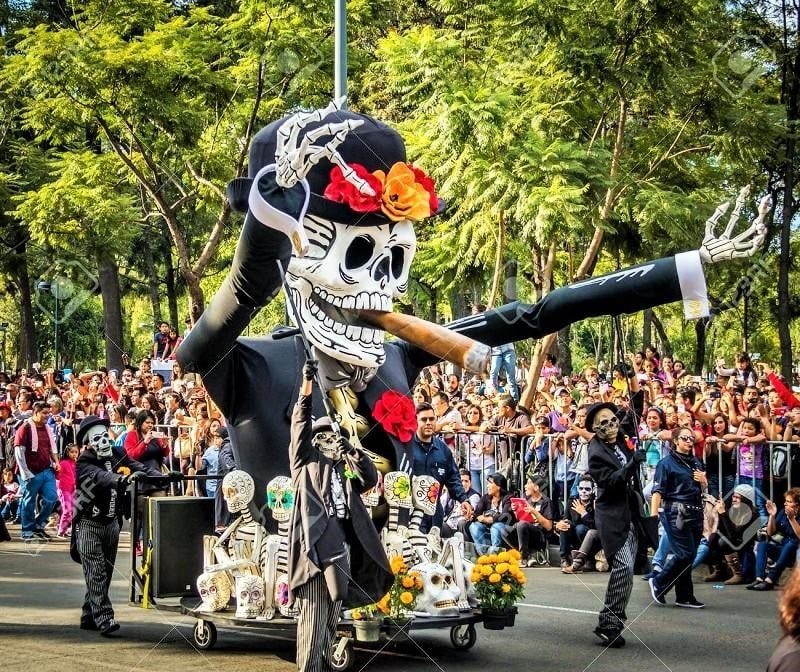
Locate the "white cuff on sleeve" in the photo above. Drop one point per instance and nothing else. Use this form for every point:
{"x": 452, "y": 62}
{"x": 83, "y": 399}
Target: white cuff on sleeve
{"x": 267, "y": 214}
{"x": 693, "y": 285}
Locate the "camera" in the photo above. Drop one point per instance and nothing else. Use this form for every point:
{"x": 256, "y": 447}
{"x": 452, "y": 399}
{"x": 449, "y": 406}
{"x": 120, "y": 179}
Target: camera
{"x": 715, "y": 394}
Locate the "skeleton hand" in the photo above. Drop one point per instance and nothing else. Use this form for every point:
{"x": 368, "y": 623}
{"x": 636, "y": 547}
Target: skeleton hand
{"x": 746, "y": 243}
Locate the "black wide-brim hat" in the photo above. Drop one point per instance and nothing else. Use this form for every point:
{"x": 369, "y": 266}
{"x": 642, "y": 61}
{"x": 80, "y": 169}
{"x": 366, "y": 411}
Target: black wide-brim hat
{"x": 593, "y": 410}
{"x": 373, "y": 144}
{"x": 87, "y": 423}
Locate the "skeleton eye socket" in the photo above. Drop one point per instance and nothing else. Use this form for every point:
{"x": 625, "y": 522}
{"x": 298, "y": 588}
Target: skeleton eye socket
{"x": 359, "y": 252}
{"x": 398, "y": 261}
{"x": 436, "y": 579}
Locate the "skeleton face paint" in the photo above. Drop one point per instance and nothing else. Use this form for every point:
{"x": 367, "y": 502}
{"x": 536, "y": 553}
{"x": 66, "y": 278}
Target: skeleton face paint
{"x": 98, "y": 439}
{"x": 250, "y": 597}
{"x": 280, "y": 498}
{"x": 606, "y": 425}
{"x": 397, "y": 489}
{"x": 328, "y": 444}
{"x": 585, "y": 490}
{"x": 215, "y": 590}
{"x": 350, "y": 267}
{"x": 238, "y": 489}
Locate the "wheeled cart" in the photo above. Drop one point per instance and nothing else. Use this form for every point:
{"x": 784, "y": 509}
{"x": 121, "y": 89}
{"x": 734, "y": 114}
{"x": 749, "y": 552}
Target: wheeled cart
{"x": 463, "y": 633}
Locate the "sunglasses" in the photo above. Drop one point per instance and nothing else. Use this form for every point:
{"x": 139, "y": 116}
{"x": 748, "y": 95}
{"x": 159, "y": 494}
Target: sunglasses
{"x": 686, "y": 438}
{"x": 431, "y": 419}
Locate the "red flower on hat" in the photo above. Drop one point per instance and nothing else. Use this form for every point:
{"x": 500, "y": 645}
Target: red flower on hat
{"x": 342, "y": 191}
{"x": 426, "y": 181}
{"x": 396, "y": 414}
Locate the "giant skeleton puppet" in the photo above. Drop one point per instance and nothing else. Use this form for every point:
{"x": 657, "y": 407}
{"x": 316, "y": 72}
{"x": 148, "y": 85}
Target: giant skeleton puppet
{"x": 332, "y": 199}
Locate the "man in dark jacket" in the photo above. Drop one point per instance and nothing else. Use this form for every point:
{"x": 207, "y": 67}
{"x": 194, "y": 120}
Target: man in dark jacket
{"x": 102, "y": 479}
{"x": 227, "y": 463}
{"x": 328, "y": 519}
{"x": 618, "y": 514}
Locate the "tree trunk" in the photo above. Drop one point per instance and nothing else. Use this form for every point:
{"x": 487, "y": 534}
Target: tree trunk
{"x": 510, "y": 282}
{"x": 498, "y": 263}
{"x": 537, "y": 359}
{"x": 152, "y": 279}
{"x": 18, "y": 264}
{"x": 666, "y": 346}
{"x": 647, "y": 327}
{"x": 701, "y": 332}
{"x": 564, "y": 351}
{"x": 112, "y": 310}
{"x": 169, "y": 280}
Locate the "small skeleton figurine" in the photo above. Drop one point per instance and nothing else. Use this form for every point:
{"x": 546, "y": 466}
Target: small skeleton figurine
{"x": 452, "y": 557}
{"x": 241, "y": 549}
{"x": 425, "y": 495}
{"x": 439, "y": 594}
{"x": 394, "y": 537}
{"x": 280, "y": 500}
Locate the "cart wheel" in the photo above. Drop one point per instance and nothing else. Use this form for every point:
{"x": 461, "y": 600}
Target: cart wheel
{"x": 342, "y": 656}
{"x": 463, "y": 636}
{"x": 205, "y": 634}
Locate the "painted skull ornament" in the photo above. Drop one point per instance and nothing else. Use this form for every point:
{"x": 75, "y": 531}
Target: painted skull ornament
{"x": 397, "y": 489}
{"x": 238, "y": 490}
{"x": 439, "y": 596}
{"x": 425, "y": 493}
{"x": 372, "y": 497}
{"x": 250, "y": 597}
{"x": 215, "y": 590}
{"x": 280, "y": 498}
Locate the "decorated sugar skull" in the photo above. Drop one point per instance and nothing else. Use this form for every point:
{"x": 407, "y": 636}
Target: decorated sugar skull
{"x": 238, "y": 489}
{"x": 250, "y": 597}
{"x": 397, "y": 489}
{"x": 358, "y": 241}
{"x": 215, "y": 590}
{"x": 280, "y": 498}
{"x": 372, "y": 497}
{"x": 425, "y": 493}
{"x": 439, "y": 596}
{"x": 93, "y": 433}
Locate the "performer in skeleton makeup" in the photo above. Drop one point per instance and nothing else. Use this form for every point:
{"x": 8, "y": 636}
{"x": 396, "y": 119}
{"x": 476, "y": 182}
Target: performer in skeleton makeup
{"x": 332, "y": 199}
{"x": 335, "y": 555}
{"x": 100, "y": 503}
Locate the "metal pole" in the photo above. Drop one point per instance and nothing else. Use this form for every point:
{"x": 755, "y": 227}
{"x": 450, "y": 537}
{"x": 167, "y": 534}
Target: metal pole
{"x": 340, "y": 49}
{"x": 55, "y": 354}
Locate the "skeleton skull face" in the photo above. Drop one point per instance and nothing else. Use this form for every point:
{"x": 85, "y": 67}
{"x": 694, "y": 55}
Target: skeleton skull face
{"x": 250, "y": 598}
{"x": 425, "y": 491}
{"x": 397, "y": 489}
{"x": 439, "y": 596}
{"x": 605, "y": 425}
{"x": 350, "y": 267}
{"x": 372, "y": 497}
{"x": 97, "y": 438}
{"x": 215, "y": 590}
{"x": 280, "y": 498}
{"x": 238, "y": 489}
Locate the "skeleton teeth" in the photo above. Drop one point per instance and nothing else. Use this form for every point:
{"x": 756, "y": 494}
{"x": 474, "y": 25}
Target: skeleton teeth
{"x": 386, "y": 304}
{"x": 349, "y": 302}
{"x": 353, "y": 333}
{"x": 362, "y": 300}
{"x": 338, "y": 328}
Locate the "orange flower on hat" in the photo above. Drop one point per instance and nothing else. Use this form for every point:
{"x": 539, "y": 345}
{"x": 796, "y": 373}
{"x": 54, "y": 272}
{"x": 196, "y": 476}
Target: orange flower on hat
{"x": 403, "y": 197}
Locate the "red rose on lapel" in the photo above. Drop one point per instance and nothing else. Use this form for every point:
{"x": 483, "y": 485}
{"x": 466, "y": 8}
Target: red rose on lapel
{"x": 396, "y": 414}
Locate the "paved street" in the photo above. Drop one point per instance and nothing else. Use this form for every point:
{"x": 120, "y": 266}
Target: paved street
{"x": 41, "y": 590}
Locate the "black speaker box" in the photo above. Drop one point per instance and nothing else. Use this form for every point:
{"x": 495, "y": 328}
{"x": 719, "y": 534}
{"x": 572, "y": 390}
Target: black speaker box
{"x": 176, "y": 534}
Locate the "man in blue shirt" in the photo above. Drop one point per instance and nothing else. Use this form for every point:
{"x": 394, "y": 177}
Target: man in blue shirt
{"x": 432, "y": 457}
{"x": 677, "y": 496}
{"x": 783, "y": 552}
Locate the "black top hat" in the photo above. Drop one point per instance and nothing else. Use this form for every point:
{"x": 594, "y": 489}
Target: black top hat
{"x": 593, "y": 411}
{"x": 87, "y": 423}
{"x": 373, "y": 144}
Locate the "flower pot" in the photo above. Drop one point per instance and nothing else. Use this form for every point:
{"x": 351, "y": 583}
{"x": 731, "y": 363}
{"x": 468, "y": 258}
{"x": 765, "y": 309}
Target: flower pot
{"x": 511, "y": 616}
{"x": 367, "y": 630}
{"x": 495, "y": 619}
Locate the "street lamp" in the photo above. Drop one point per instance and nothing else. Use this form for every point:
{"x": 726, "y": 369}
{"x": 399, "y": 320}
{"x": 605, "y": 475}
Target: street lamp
{"x": 3, "y": 330}
{"x": 53, "y": 288}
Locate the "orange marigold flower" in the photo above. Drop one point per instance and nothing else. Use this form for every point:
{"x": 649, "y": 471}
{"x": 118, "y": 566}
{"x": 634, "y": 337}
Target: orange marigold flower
{"x": 495, "y": 578}
{"x": 502, "y": 567}
{"x": 403, "y": 197}
{"x": 506, "y": 588}
{"x": 504, "y": 556}
{"x": 406, "y": 597}
{"x": 486, "y": 570}
{"x": 408, "y": 582}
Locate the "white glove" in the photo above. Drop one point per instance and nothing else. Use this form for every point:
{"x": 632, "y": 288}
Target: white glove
{"x": 724, "y": 248}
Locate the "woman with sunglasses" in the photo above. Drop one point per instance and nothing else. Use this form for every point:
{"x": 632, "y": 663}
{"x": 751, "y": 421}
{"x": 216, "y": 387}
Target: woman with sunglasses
{"x": 678, "y": 487}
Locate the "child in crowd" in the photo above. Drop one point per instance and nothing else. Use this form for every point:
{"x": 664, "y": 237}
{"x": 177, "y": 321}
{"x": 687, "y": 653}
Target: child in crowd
{"x": 9, "y": 497}
{"x": 65, "y": 480}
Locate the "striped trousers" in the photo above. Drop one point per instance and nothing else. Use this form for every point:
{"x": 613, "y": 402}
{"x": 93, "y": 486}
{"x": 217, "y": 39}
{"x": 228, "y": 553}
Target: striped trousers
{"x": 97, "y": 544}
{"x": 620, "y": 584}
{"x": 316, "y": 625}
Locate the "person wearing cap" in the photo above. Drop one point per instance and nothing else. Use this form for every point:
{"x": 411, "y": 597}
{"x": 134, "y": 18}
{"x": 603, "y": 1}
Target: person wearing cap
{"x": 563, "y": 416}
{"x": 335, "y": 555}
{"x": 783, "y": 551}
{"x": 618, "y": 514}
{"x": 100, "y": 503}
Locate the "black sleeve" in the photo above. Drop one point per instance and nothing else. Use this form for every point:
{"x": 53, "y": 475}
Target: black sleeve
{"x": 300, "y": 449}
